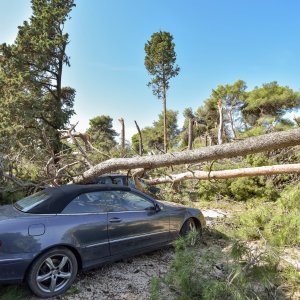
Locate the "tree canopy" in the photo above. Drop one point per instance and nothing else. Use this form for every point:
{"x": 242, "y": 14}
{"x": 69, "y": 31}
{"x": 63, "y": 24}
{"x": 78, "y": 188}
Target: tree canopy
{"x": 269, "y": 100}
{"x": 33, "y": 99}
{"x": 101, "y": 132}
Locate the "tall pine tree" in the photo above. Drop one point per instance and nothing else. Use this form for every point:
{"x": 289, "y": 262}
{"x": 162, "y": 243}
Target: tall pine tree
{"x": 160, "y": 63}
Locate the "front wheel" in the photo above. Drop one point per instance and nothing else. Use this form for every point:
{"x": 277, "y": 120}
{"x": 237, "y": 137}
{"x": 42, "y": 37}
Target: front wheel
{"x": 52, "y": 273}
{"x": 191, "y": 231}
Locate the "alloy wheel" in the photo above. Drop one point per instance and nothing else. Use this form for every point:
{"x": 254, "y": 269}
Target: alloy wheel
{"x": 54, "y": 273}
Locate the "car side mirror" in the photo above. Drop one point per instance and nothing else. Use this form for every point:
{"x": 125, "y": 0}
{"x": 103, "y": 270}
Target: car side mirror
{"x": 154, "y": 209}
{"x": 157, "y": 207}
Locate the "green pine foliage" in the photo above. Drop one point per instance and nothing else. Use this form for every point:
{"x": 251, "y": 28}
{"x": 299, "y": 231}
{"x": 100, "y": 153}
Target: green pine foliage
{"x": 230, "y": 270}
{"x": 278, "y": 222}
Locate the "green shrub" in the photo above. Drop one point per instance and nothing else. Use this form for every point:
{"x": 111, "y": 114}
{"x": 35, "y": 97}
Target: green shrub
{"x": 245, "y": 189}
{"x": 249, "y": 188}
{"x": 240, "y": 189}
{"x": 246, "y": 273}
{"x": 11, "y": 197}
{"x": 278, "y": 222}
{"x": 215, "y": 190}
{"x": 154, "y": 288}
{"x": 182, "y": 274}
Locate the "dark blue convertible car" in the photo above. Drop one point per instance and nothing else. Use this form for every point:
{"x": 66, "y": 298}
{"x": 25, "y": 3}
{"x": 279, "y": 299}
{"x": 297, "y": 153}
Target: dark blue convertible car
{"x": 47, "y": 237}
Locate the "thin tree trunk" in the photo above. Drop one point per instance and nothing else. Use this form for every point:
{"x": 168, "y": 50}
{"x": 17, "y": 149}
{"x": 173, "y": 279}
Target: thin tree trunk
{"x": 221, "y": 125}
{"x": 190, "y": 134}
{"x": 208, "y": 141}
{"x": 267, "y": 142}
{"x": 121, "y": 120}
{"x": 226, "y": 174}
{"x": 165, "y": 121}
{"x": 56, "y": 144}
{"x": 231, "y": 124}
{"x": 141, "y": 148}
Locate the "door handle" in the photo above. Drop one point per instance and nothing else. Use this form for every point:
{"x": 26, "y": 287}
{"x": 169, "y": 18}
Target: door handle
{"x": 115, "y": 220}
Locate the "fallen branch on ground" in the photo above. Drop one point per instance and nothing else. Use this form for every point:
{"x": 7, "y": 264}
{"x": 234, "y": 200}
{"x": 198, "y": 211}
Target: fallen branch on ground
{"x": 226, "y": 174}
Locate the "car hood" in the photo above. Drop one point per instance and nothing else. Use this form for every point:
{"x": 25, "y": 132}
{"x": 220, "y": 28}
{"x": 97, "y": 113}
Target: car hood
{"x": 171, "y": 205}
{"x": 8, "y": 212}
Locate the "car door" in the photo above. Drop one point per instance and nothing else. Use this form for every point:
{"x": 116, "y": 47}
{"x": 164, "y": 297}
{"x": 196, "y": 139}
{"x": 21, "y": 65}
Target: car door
{"x": 86, "y": 217}
{"x": 134, "y": 222}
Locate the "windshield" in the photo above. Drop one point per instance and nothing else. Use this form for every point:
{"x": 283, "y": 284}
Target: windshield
{"x": 27, "y": 203}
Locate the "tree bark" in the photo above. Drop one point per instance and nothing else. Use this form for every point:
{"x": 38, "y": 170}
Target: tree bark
{"x": 226, "y": 174}
{"x": 251, "y": 145}
{"x": 165, "y": 121}
{"x": 232, "y": 124}
{"x": 121, "y": 120}
{"x": 190, "y": 134}
{"x": 141, "y": 148}
{"x": 221, "y": 125}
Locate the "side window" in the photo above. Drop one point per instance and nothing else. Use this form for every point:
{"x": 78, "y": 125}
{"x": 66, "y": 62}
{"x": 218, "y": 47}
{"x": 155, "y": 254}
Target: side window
{"x": 117, "y": 180}
{"x": 127, "y": 201}
{"x": 131, "y": 182}
{"x": 93, "y": 202}
{"x": 104, "y": 180}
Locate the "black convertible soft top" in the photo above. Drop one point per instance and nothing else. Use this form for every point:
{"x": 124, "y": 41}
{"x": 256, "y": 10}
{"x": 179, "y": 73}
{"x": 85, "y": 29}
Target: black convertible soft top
{"x": 61, "y": 196}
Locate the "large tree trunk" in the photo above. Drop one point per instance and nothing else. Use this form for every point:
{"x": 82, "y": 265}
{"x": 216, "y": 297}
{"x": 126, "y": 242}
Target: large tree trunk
{"x": 226, "y": 174}
{"x": 251, "y": 145}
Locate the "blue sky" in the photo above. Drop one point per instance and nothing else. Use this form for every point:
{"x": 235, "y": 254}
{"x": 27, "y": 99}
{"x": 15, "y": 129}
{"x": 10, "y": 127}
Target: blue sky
{"x": 217, "y": 42}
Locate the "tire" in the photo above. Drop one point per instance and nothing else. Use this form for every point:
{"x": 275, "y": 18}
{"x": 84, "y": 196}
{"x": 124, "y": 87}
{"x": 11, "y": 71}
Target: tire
{"x": 52, "y": 273}
{"x": 188, "y": 227}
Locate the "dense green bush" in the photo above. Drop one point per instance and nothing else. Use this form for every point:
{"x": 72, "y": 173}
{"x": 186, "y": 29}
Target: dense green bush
{"x": 240, "y": 189}
{"x": 215, "y": 190}
{"x": 244, "y": 189}
{"x": 278, "y": 222}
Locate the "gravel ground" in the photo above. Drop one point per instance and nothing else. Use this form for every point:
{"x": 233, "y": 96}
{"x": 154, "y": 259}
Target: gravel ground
{"x": 128, "y": 279}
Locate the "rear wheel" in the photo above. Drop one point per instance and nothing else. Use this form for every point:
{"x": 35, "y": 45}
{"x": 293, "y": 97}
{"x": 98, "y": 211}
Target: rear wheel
{"x": 191, "y": 229}
{"x": 52, "y": 273}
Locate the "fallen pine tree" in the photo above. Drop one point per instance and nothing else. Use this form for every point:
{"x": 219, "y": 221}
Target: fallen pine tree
{"x": 267, "y": 142}
{"x": 226, "y": 174}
